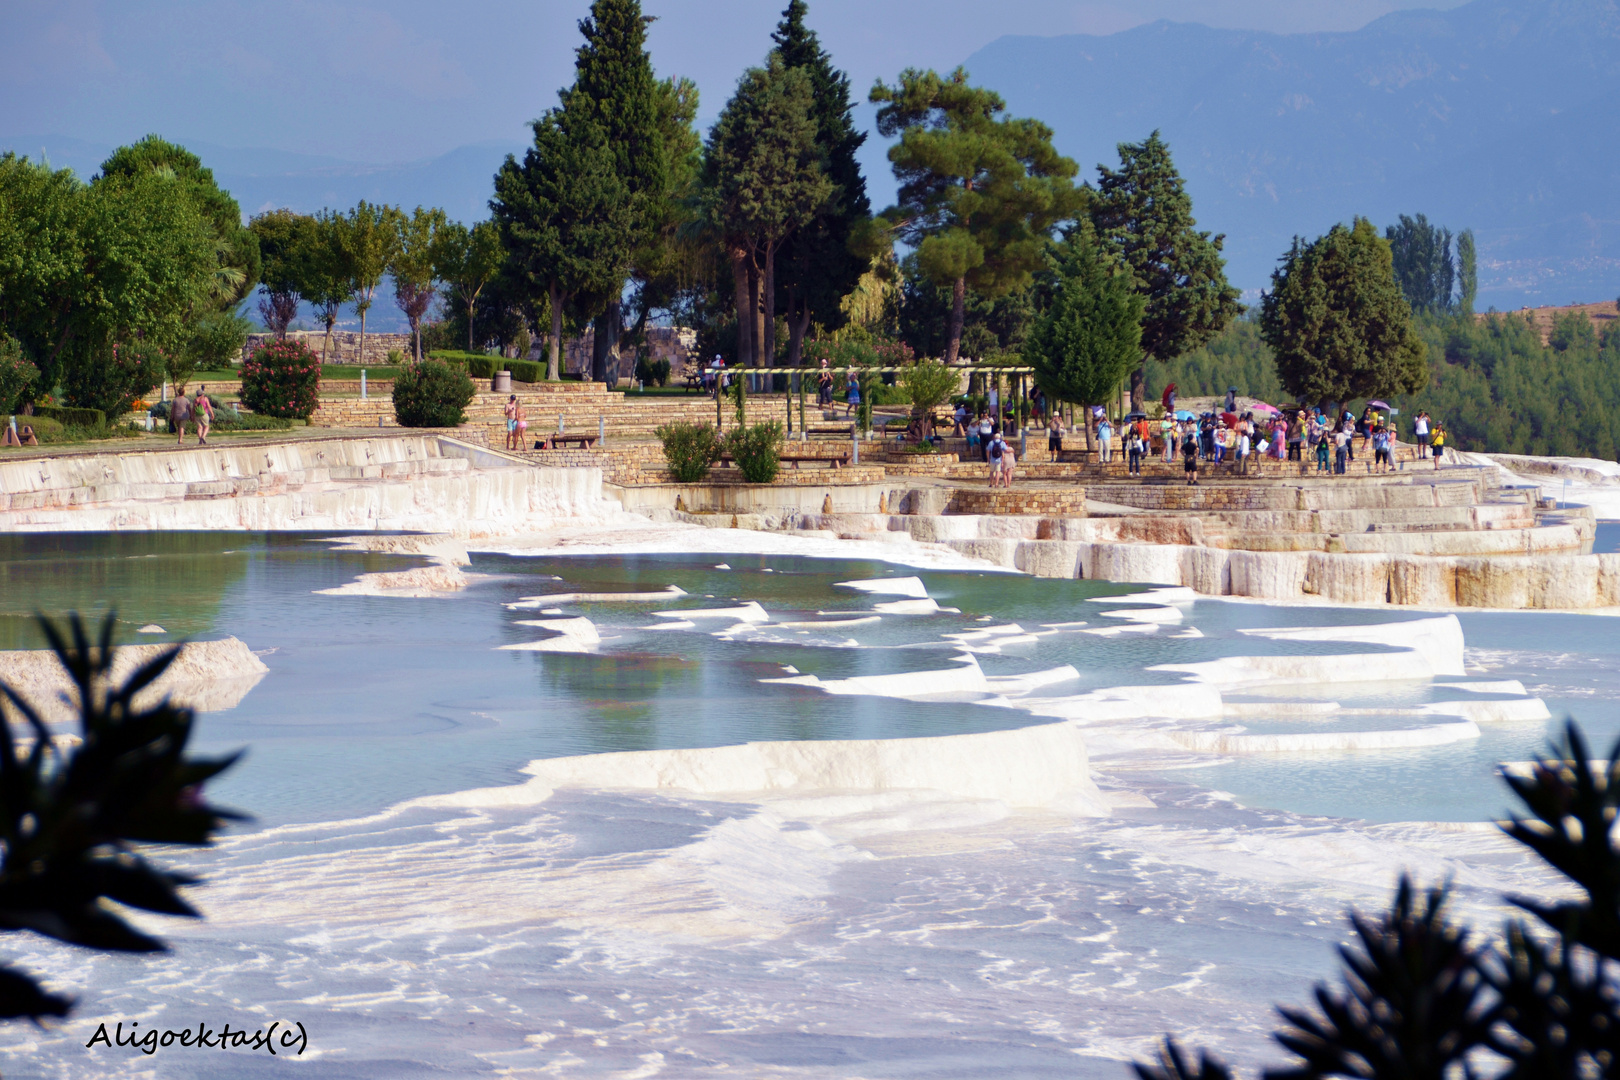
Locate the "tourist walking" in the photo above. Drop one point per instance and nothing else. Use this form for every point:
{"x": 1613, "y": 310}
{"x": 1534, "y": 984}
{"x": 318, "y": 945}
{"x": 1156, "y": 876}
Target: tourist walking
{"x": 1054, "y": 437}
{"x": 1341, "y": 449}
{"x": 824, "y": 386}
{"x": 1167, "y": 438}
{"x": 510, "y": 411}
{"x": 1105, "y": 440}
{"x": 1420, "y": 432}
{"x": 180, "y": 415}
{"x": 1133, "y": 451}
{"x": 1437, "y": 442}
{"x": 202, "y": 411}
{"x": 521, "y": 428}
{"x": 993, "y": 450}
{"x": 1243, "y": 447}
{"x": 1189, "y": 461}
{"x": 852, "y": 394}
{"x": 987, "y": 427}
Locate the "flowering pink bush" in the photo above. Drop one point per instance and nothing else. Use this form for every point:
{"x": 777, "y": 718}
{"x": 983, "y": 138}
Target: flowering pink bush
{"x": 282, "y": 378}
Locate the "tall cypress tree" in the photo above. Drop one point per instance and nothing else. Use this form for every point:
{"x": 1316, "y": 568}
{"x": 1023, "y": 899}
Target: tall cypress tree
{"x": 615, "y": 89}
{"x": 1422, "y": 260}
{"x": 1467, "y": 272}
{"x": 1144, "y": 215}
{"x": 824, "y": 260}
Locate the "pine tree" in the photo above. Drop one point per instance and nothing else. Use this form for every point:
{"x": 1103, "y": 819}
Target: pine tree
{"x": 979, "y": 192}
{"x": 825, "y": 259}
{"x": 1090, "y": 334}
{"x": 1144, "y": 215}
{"x": 615, "y": 89}
{"x": 1337, "y": 321}
{"x": 564, "y": 217}
{"x": 763, "y": 181}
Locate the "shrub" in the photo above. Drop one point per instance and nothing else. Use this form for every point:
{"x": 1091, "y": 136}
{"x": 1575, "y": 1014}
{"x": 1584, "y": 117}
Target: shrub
{"x": 282, "y": 378}
{"x": 690, "y": 449}
{"x": 228, "y": 419}
{"x": 432, "y": 394}
{"x": 395, "y": 357}
{"x": 45, "y": 428}
{"x": 652, "y": 371}
{"x": 757, "y": 451}
{"x": 529, "y": 371}
{"x": 18, "y": 376}
{"x": 76, "y": 417}
{"x": 111, "y": 379}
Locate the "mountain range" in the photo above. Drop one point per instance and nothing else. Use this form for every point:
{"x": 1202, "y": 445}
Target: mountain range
{"x": 1501, "y": 115}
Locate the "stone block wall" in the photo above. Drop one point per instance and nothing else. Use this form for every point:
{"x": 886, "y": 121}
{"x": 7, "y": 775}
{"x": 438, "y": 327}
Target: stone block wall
{"x": 345, "y": 347}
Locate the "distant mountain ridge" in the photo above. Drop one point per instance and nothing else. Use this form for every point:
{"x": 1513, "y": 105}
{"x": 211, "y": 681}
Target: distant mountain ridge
{"x": 1500, "y": 115}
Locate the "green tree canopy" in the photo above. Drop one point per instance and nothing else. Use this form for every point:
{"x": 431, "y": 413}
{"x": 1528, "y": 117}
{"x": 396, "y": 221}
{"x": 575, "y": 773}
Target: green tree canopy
{"x": 979, "y": 192}
{"x": 85, "y": 266}
{"x": 1421, "y": 256}
{"x": 1337, "y": 321}
{"x": 282, "y": 236}
{"x": 412, "y": 266}
{"x": 825, "y": 259}
{"x": 369, "y": 241}
{"x": 1143, "y": 214}
{"x": 564, "y": 215}
{"x": 325, "y": 273}
{"x": 236, "y": 248}
{"x": 1467, "y": 272}
{"x": 1090, "y": 334}
{"x": 762, "y": 181}
{"x": 468, "y": 259}
{"x": 615, "y": 90}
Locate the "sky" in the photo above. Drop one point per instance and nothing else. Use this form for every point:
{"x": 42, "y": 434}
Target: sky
{"x": 375, "y": 82}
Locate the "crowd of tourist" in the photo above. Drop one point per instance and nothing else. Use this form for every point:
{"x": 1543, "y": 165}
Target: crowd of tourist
{"x": 1217, "y": 438}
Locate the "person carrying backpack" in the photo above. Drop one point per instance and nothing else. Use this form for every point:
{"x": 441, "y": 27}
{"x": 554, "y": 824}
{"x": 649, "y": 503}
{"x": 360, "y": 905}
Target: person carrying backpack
{"x": 993, "y": 451}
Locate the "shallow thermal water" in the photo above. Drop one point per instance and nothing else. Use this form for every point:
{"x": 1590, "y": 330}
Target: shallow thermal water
{"x": 617, "y": 933}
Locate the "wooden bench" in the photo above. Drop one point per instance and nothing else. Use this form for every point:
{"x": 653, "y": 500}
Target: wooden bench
{"x": 694, "y": 381}
{"x": 793, "y": 457}
{"x": 555, "y": 442}
{"x": 830, "y": 431}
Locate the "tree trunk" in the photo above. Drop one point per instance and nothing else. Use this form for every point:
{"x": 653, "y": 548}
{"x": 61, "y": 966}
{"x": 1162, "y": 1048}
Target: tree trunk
{"x": 470, "y": 305}
{"x": 745, "y": 312}
{"x": 605, "y": 346}
{"x": 1091, "y": 443}
{"x": 362, "y": 358}
{"x": 326, "y": 343}
{"x": 755, "y": 334}
{"x": 1138, "y": 386}
{"x": 554, "y": 344}
{"x": 953, "y": 343}
{"x": 416, "y": 335}
{"x": 770, "y": 306}
{"x": 798, "y": 324}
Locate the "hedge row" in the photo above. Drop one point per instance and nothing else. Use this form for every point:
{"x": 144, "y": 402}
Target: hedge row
{"x": 482, "y": 366}
{"x": 76, "y": 417}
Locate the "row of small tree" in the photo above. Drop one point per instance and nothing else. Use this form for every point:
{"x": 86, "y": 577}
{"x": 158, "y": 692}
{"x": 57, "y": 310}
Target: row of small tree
{"x": 331, "y": 259}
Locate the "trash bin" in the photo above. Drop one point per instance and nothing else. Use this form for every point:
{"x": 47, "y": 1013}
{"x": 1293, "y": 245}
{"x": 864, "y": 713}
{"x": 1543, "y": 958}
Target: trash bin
{"x": 502, "y": 383}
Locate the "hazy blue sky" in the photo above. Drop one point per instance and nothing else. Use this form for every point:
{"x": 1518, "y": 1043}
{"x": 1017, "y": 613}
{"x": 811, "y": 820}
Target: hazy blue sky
{"x": 402, "y": 81}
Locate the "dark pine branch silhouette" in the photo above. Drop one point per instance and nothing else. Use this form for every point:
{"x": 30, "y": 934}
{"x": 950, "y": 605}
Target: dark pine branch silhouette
{"x": 70, "y": 818}
{"x": 1420, "y": 1002}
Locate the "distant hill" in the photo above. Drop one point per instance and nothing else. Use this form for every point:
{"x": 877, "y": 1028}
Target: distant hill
{"x": 1500, "y": 115}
